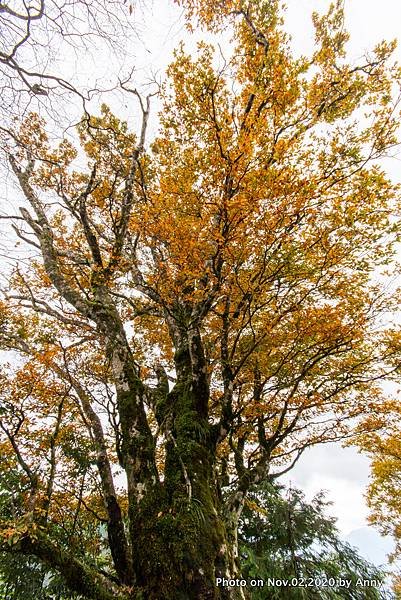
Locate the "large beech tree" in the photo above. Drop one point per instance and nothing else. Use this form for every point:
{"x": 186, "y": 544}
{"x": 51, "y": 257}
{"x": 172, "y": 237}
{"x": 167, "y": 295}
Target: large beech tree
{"x": 194, "y": 312}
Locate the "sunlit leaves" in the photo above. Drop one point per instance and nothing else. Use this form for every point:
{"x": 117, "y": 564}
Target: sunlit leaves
{"x": 243, "y": 251}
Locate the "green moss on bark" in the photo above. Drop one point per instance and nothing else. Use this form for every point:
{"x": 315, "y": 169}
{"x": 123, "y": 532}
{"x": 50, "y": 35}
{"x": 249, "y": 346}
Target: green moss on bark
{"x": 180, "y": 534}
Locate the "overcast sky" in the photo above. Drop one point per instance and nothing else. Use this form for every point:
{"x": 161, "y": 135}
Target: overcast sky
{"x": 343, "y": 472}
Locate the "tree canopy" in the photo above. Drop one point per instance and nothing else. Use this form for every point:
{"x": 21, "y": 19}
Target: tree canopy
{"x": 197, "y": 309}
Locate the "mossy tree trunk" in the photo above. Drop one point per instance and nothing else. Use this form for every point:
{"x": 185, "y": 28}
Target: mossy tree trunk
{"x": 181, "y": 542}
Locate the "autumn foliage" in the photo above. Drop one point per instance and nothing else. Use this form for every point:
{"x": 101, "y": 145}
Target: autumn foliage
{"x": 199, "y": 309}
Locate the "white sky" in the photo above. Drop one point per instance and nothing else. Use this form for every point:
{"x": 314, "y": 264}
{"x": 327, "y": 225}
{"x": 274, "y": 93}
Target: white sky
{"x": 342, "y": 472}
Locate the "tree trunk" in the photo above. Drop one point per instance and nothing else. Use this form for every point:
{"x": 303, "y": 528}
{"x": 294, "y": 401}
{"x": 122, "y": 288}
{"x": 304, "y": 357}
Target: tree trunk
{"x": 180, "y": 548}
{"x": 181, "y": 543}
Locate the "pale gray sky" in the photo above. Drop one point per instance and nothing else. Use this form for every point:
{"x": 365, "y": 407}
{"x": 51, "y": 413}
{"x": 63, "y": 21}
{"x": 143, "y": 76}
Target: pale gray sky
{"x": 343, "y": 472}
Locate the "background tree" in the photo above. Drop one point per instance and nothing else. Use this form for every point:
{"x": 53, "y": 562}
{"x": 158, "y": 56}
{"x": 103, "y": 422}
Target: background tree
{"x": 383, "y": 447}
{"x": 383, "y": 492}
{"x": 282, "y": 536}
{"x": 197, "y": 312}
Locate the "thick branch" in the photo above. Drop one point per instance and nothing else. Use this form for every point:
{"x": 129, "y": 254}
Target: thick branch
{"x": 128, "y": 199}
{"x": 115, "y": 527}
{"x": 78, "y": 576}
{"x": 44, "y": 233}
